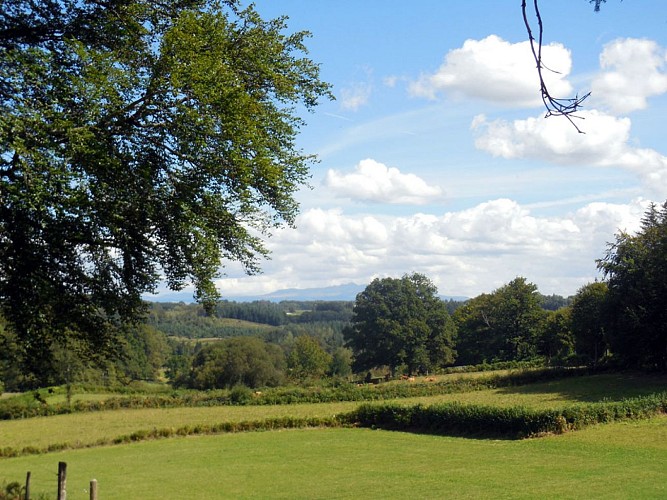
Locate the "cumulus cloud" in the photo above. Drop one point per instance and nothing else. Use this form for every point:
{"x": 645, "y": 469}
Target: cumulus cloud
{"x": 375, "y": 182}
{"x": 606, "y": 143}
{"x": 465, "y": 252}
{"x": 496, "y": 70}
{"x": 632, "y": 71}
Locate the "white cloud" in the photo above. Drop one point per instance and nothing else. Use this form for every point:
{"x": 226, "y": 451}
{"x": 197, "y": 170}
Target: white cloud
{"x": 496, "y": 70}
{"x": 606, "y": 143}
{"x": 355, "y": 96}
{"x": 390, "y": 81}
{"x": 633, "y": 70}
{"x": 375, "y": 182}
{"x": 467, "y": 252}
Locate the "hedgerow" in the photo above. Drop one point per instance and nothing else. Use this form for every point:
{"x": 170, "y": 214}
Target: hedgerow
{"x": 25, "y": 407}
{"x": 268, "y": 424}
{"x": 453, "y": 419}
{"x": 498, "y": 422}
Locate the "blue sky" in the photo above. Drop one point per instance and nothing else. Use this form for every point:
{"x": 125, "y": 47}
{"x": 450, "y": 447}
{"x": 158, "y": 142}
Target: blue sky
{"x": 436, "y": 157}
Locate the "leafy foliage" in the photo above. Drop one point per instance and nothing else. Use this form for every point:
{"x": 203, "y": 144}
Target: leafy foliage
{"x": 243, "y": 360}
{"x": 144, "y": 353}
{"x": 401, "y": 322}
{"x": 636, "y": 271}
{"x": 556, "y": 341}
{"x": 307, "y": 359}
{"x": 341, "y": 362}
{"x": 141, "y": 353}
{"x": 589, "y": 315}
{"x": 499, "y": 422}
{"x": 501, "y": 326}
{"x": 139, "y": 140}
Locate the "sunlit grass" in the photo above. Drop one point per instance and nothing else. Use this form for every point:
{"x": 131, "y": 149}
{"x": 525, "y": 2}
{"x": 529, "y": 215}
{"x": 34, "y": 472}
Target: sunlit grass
{"x": 621, "y": 460}
{"x": 90, "y": 427}
{"x": 560, "y": 393}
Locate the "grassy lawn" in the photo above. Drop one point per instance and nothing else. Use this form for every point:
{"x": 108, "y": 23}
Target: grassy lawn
{"x": 621, "y": 460}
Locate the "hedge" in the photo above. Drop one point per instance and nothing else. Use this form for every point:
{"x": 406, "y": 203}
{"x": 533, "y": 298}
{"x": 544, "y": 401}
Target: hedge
{"x": 186, "y": 430}
{"x": 508, "y": 423}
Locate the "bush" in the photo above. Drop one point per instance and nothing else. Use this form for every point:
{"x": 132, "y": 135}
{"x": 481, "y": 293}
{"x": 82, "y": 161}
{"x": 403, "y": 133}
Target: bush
{"x": 240, "y": 395}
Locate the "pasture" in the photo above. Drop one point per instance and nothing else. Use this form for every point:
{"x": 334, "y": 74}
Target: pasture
{"x": 621, "y": 460}
{"x": 618, "y": 460}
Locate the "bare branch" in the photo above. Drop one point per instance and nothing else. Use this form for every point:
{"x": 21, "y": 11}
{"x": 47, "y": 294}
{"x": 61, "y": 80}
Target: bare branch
{"x": 554, "y": 106}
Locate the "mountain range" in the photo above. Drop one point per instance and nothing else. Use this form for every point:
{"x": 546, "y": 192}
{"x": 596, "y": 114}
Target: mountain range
{"x": 346, "y": 292}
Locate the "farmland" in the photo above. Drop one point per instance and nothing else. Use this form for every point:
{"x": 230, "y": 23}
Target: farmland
{"x": 615, "y": 460}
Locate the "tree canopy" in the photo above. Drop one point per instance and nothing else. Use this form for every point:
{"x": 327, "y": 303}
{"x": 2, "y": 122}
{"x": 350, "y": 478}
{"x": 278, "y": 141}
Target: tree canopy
{"x": 401, "y": 322}
{"x": 501, "y": 326}
{"x": 589, "y": 315}
{"x": 140, "y": 141}
{"x": 307, "y": 359}
{"x": 636, "y": 271}
{"x": 245, "y": 361}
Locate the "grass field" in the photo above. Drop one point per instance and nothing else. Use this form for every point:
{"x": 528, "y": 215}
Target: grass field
{"x": 621, "y": 460}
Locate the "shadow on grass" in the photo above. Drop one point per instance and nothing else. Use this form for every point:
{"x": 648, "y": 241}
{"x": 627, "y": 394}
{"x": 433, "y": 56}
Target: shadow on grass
{"x": 593, "y": 388}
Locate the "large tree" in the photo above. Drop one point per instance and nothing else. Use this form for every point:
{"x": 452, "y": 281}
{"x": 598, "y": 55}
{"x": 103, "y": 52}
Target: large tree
{"x": 401, "y": 322}
{"x": 636, "y": 271}
{"x": 307, "y": 359}
{"x": 234, "y": 361}
{"x": 556, "y": 341}
{"x": 589, "y": 315}
{"x": 502, "y": 326}
{"x": 140, "y": 141}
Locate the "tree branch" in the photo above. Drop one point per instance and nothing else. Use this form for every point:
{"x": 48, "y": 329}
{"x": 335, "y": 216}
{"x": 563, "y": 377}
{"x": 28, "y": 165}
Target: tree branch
{"x": 554, "y": 106}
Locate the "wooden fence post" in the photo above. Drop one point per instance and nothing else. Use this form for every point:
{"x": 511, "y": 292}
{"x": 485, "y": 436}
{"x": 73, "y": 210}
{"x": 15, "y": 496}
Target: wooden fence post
{"x": 27, "y": 486}
{"x": 93, "y": 489}
{"x": 62, "y": 481}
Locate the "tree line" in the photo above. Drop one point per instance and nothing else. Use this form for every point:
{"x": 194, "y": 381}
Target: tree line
{"x": 620, "y": 320}
{"x": 395, "y": 326}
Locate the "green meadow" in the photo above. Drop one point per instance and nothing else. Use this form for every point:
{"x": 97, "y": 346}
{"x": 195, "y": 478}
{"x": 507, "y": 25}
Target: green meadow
{"x": 617, "y": 460}
{"x": 622, "y": 460}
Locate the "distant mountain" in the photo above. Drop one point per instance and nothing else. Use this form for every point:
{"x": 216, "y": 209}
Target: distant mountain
{"x": 330, "y": 293}
{"x": 347, "y": 292}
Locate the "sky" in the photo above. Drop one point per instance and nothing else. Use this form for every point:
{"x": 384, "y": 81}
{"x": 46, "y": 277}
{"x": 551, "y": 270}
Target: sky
{"x": 436, "y": 156}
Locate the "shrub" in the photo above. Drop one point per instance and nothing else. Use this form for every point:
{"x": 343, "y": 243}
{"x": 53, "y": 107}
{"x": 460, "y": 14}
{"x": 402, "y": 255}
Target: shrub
{"x": 240, "y": 395}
